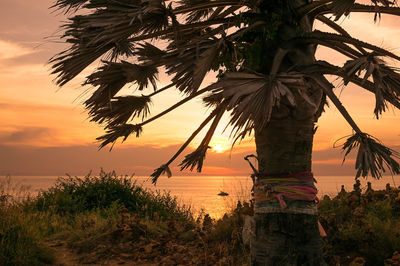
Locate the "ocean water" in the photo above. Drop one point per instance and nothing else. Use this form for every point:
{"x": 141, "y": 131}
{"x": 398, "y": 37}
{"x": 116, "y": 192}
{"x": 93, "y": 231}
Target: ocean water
{"x": 201, "y": 192}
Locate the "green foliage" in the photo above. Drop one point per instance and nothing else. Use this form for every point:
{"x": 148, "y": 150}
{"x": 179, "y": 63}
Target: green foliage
{"x": 361, "y": 225}
{"x": 91, "y": 214}
{"x": 73, "y": 195}
{"x": 20, "y": 238}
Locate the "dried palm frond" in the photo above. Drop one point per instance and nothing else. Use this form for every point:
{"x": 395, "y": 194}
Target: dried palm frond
{"x": 342, "y": 7}
{"x": 149, "y": 54}
{"x": 68, "y": 5}
{"x": 111, "y": 77}
{"x": 197, "y": 157}
{"x": 386, "y": 3}
{"x": 108, "y": 27}
{"x": 323, "y": 67}
{"x": 372, "y": 156}
{"x": 368, "y": 63}
{"x": 159, "y": 13}
{"x": 191, "y": 63}
{"x": 195, "y": 15}
{"x": 163, "y": 169}
{"x": 325, "y": 38}
{"x": 160, "y": 170}
{"x": 113, "y": 133}
{"x": 386, "y": 79}
{"x": 252, "y": 97}
{"x": 120, "y": 110}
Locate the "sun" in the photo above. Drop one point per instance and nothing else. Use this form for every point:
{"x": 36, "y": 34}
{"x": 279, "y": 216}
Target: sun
{"x": 219, "y": 144}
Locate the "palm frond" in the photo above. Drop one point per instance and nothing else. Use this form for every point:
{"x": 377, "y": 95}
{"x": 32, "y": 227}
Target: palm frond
{"x": 112, "y": 77}
{"x": 378, "y": 7}
{"x": 107, "y": 28}
{"x": 189, "y": 64}
{"x": 120, "y": 110}
{"x": 163, "y": 169}
{"x": 68, "y": 5}
{"x": 386, "y": 79}
{"x": 323, "y": 67}
{"x": 252, "y": 97}
{"x": 378, "y": 10}
{"x": 160, "y": 170}
{"x": 115, "y": 132}
{"x": 197, "y": 157}
{"x": 194, "y": 159}
{"x": 319, "y": 37}
{"x": 149, "y": 54}
{"x": 195, "y": 15}
{"x": 372, "y": 156}
{"x": 176, "y": 105}
{"x": 333, "y": 25}
{"x": 345, "y": 7}
{"x": 342, "y": 7}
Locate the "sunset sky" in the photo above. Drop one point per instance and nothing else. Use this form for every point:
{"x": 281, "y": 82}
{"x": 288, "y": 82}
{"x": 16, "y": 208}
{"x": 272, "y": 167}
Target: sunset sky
{"x": 45, "y": 131}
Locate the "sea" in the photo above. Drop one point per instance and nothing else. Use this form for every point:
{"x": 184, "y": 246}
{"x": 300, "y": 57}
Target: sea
{"x": 200, "y": 193}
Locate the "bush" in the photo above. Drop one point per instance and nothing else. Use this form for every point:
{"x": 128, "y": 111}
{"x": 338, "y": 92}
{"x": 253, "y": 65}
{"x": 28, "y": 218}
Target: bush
{"x": 73, "y": 195}
{"x": 361, "y": 225}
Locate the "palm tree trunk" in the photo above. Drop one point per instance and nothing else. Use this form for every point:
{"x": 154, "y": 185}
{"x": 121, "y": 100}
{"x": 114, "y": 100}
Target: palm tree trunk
{"x": 287, "y": 236}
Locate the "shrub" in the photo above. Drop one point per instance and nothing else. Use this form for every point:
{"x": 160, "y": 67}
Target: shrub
{"x": 361, "y": 225}
{"x": 73, "y": 195}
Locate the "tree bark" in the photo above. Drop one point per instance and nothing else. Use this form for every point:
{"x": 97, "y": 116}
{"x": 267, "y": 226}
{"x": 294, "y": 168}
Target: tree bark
{"x": 287, "y": 236}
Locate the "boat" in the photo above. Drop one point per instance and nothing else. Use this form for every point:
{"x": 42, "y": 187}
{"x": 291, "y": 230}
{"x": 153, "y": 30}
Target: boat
{"x": 223, "y": 194}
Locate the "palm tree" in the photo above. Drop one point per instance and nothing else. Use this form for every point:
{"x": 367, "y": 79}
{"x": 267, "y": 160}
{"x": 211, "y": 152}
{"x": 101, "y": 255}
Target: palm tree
{"x": 268, "y": 80}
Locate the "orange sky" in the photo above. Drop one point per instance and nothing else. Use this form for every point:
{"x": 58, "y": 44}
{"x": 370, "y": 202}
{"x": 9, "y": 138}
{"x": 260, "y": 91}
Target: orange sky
{"x": 44, "y": 131}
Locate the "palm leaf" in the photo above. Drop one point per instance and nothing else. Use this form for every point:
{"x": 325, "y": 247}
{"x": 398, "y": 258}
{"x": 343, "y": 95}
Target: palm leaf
{"x": 120, "y": 110}
{"x": 386, "y": 79}
{"x": 342, "y": 7}
{"x": 345, "y": 7}
{"x": 107, "y": 28}
{"x": 189, "y": 64}
{"x": 68, "y": 5}
{"x": 112, "y": 77}
{"x": 163, "y": 169}
{"x": 197, "y": 157}
{"x": 115, "y": 132}
{"x": 195, "y": 15}
{"x": 323, "y": 38}
{"x": 149, "y": 54}
{"x": 252, "y": 97}
{"x": 372, "y": 156}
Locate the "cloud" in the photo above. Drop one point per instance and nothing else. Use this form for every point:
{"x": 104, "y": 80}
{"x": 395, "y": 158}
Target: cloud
{"x": 12, "y": 50}
{"x": 141, "y": 160}
{"x": 27, "y": 135}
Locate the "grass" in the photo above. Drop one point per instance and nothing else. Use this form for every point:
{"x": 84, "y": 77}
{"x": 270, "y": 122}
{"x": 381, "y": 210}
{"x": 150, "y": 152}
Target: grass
{"x": 20, "y": 237}
{"x": 105, "y": 218}
{"x": 110, "y": 219}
